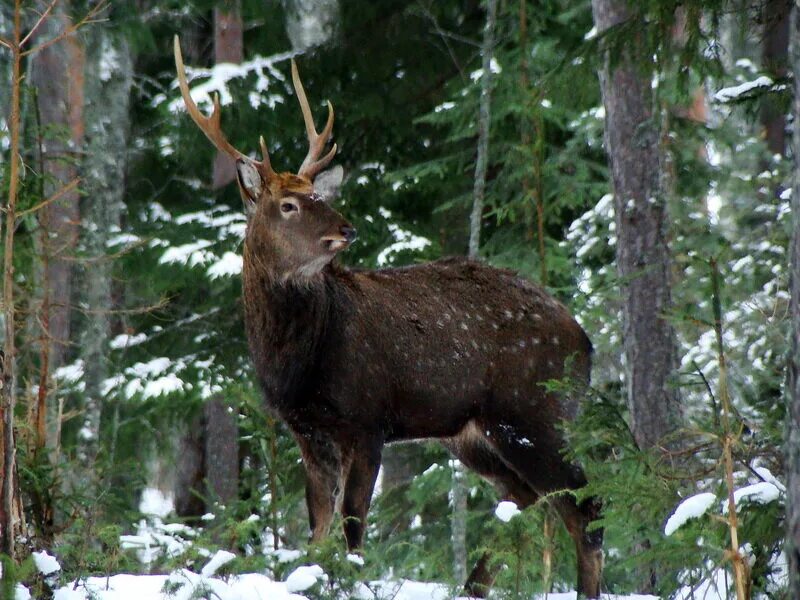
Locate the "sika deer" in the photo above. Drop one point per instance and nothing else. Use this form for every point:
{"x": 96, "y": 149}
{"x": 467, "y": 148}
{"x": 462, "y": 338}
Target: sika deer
{"x": 352, "y": 360}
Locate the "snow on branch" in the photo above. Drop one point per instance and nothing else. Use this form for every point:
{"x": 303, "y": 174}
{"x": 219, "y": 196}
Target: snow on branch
{"x": 747, "y": 89}
{"x": 220, "y": 76}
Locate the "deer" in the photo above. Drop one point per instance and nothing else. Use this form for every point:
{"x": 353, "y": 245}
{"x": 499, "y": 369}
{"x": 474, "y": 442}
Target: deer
{"x": 351, "y": 360}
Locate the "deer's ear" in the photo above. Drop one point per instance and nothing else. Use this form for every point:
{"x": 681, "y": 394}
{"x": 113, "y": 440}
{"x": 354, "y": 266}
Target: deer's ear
{"x": 328, "y": 183}
{"x": 250, "y": 182}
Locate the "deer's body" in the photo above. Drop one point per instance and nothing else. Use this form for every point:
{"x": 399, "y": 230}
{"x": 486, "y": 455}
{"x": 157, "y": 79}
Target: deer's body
{"x": 351, "y": 360}
{"x": 415, "y": 352}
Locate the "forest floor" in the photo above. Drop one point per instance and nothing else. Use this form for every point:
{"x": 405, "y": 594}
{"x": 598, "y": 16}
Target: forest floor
{"x": 154, "y": 538}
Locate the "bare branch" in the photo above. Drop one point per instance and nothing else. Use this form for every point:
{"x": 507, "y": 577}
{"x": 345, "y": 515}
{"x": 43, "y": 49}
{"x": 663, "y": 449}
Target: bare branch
{"x": 89, "y": 18}
{"x": 41, "y": 20}
{"x": 60, "y": 192}
{"x": 5, "y": 42}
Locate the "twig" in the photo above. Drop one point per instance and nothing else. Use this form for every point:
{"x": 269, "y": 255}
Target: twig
{"x": 41, "y": 20}
{"x": 6, "y": 43}
{"x": 63, "y": 190}
{"x": 86, "y": 20}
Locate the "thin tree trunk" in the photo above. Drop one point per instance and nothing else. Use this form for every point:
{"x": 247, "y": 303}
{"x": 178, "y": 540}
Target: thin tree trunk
{"x": 10, "y": 515}
{"x": 459, "y": 490}
{"x": 643, "y": 260}
{"x": 775, "y": 56}
{"x": 221, "y": 450}
{"x": 228, "y": 48}
{"x": 484, "y": 120}
{"x": 793, "y": 387}
{"x": 108, "y": 126}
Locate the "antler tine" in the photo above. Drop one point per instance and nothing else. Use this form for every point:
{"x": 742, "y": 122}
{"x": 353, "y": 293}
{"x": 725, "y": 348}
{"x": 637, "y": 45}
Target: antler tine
{"x": 312, "y": 164}
{"x": 211, "y": 125}
{"x": 208, "y": 125}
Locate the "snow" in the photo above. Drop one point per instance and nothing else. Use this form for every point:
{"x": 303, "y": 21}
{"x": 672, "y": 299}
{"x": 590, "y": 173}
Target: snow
{"x": 155, "y": 502}
{"x": 71, "y": 373}
{"x": 220, "y": 559}
{"x": 303, "y": 578}
{"x": 220, "y": 75}
{"x": 356, "y": 559}
{"x": 762, "y": 492}
{"x": 494, "y": 67}
{"x": 444, "y": 106}
{"x": 191, "y": 254}
{"x": 729, "y": 94}
{"x": 506, "y": 511}
{"x": 121, "y": 239}
{"x": 45, "y": 563}
{"x": 404, "y": 240}
{"x": 252, "y": 586}
{"x": 230, "y": 264}
{"x": 21, "y": 593}
{"x": 125, "y": 340}
{"x": 691, "y": 508}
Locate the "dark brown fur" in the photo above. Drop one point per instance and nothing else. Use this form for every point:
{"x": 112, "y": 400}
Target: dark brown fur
{"x": 352, "y": 360}
{"x": 454, "y": 350}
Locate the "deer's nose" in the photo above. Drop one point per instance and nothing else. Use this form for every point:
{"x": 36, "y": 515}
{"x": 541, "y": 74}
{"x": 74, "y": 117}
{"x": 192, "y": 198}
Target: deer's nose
{"x": 349, "y": 233}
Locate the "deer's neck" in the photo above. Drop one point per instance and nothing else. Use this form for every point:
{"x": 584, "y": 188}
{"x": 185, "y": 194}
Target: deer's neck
{"x": 289, "y": 326}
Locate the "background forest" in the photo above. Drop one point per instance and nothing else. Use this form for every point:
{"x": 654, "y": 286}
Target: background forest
{"x": 134, "y": 439}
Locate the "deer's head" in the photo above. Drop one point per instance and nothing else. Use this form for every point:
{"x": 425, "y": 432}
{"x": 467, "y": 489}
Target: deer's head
{"x": 291, "y": 226}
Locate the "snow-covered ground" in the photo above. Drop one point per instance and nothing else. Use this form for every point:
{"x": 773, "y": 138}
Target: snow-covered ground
{"x": 254, "y": 587}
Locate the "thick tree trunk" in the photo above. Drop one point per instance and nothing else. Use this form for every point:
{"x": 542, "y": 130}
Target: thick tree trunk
{"x": 793, "y": 387}
{"x": 57, "y": 74}
{"x": 643, "y": 261}
{"x": 107, "y": 134}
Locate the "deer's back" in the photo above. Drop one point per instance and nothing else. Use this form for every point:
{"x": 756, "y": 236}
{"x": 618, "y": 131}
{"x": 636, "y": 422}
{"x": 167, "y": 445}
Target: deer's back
{"x": 432, "y": 346}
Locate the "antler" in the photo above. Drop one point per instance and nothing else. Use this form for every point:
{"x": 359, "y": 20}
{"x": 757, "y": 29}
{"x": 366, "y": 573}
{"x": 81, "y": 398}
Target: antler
{"x": 211, "y": 125}
{"x": 313, "y": 164}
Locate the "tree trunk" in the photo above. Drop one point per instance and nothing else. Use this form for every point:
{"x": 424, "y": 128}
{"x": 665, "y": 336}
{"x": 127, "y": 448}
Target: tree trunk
{"x": 107, "y": 135}
{"x": 222, "y": 435}
{"x": 793, "y": 386}
{"x": 57, "y": 74}
{"x": 228, "y": 48}
{"x": 643, "y": 261}
{"x": 774, "y": 58}
{"x": 459, "y": 489}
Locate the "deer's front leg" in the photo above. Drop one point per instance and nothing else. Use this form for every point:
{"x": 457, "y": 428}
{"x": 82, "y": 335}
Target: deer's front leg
{"x": 361, "y": 476}
{"x": 322, "y": 460}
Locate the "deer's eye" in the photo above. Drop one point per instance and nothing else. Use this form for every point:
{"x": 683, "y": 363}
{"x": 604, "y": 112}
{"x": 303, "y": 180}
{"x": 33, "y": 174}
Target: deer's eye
{"x": 287, "y": 207}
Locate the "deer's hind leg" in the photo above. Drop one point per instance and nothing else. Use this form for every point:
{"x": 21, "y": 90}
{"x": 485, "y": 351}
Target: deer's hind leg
{"x": 472, "y": 449}
{"x": 533, "y": 451}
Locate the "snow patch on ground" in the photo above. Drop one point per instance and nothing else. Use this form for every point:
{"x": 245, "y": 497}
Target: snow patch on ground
{"x": 691, "y": 508}
{"x": 45, "y": 563}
